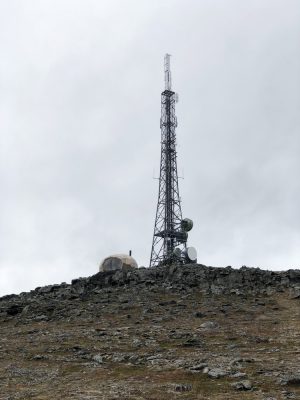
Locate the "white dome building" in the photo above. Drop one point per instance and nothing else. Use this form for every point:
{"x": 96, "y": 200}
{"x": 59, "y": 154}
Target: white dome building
{"x": 118, "y": 261}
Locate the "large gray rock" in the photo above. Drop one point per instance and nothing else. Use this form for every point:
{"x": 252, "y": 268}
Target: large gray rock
{"x": 209, "y": 325}
{"x": 295, "y": 292}
{"x": 183, "y": 387}
{"x": 291, "y": 379}
{"x": 217, "y": 373}
{"x": 242, "y": 385}
{"x": 98, "y": 359}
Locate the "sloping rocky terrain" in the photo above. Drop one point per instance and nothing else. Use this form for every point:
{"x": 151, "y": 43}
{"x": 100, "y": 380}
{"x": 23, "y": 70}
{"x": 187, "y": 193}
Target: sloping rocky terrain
{"x": 179, "y": 332}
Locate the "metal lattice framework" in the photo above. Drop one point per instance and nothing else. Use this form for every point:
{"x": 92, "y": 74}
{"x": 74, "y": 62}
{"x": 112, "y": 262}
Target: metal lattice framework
{"x": 168, "y": 234}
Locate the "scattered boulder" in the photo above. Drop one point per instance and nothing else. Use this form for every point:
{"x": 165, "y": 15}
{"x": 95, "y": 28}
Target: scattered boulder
{"x": 183, "y": 387}
{"x": 239, "y": 375}
{"x": 242, "y": 385}
{"x": 192, "y": 342}
{"x": 98, "y": 359}
{"x": 217, "y": 373}
{"x": 209, "y": 325}
{"x": 292, "y": 379}
{"x": 14, "y": 309}
{"x": 198, "y": 367}
{"x": 295, "y": 292}
{"x": 39, "y": 357}
{"x": 41, "y": 318}
{"x": 199, "y": 314}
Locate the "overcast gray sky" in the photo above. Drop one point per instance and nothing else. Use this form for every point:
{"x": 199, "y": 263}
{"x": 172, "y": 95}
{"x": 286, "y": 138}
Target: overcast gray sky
{"x": 80, "y": 84}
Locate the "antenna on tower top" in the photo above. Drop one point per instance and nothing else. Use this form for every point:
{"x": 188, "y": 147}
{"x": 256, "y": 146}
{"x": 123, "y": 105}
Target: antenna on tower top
{"x": 168, "y": 79}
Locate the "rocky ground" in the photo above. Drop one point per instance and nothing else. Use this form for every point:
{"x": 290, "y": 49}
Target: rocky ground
{"x": 190, "y": 332}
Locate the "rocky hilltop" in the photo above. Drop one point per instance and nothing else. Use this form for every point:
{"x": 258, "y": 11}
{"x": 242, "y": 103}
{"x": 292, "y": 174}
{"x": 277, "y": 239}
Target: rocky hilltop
{"x": 186, "y": 332}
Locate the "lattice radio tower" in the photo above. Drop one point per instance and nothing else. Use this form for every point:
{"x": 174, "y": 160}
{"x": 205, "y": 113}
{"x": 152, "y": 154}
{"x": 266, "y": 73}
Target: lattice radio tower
{"x": 170, "y": 231}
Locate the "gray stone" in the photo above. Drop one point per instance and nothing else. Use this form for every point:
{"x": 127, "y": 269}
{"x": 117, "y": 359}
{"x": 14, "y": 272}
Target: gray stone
{"x": 183, "y": 387}
{"x": 98, "y": 359}
{"x": 242, "y": 385}
{"x": 295, "y": 293}
{"x": 198, "y": 367}
{"x": 14, "y": 309}
{"x": 239, "y": 375}
{"x": 192, "y": 342}
{"x": 209, "y": 325}
{"x": 217, "y": 373}
{"x": 41, "y": 318}
{"x": 292, "y": 379}
{"x": 236, "y": 361}
{"x": 39, "y": 357}
{"x": 199, "y": 314}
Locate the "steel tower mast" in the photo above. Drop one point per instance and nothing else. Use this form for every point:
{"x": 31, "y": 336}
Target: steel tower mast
{"x": 170, "y": 231}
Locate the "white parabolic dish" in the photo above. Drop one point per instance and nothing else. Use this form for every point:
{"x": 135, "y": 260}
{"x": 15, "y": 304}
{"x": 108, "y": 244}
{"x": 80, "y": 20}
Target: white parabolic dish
{"x": 191, "y": 253}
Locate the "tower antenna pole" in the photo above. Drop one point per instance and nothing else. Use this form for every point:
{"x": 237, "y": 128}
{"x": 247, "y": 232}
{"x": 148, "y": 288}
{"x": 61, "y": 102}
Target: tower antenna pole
{"x": 168, "y": 78}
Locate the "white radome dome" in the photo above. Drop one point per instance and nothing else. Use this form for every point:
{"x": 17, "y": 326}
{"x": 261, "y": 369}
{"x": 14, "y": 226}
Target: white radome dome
{"x": 118, "y": 262}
